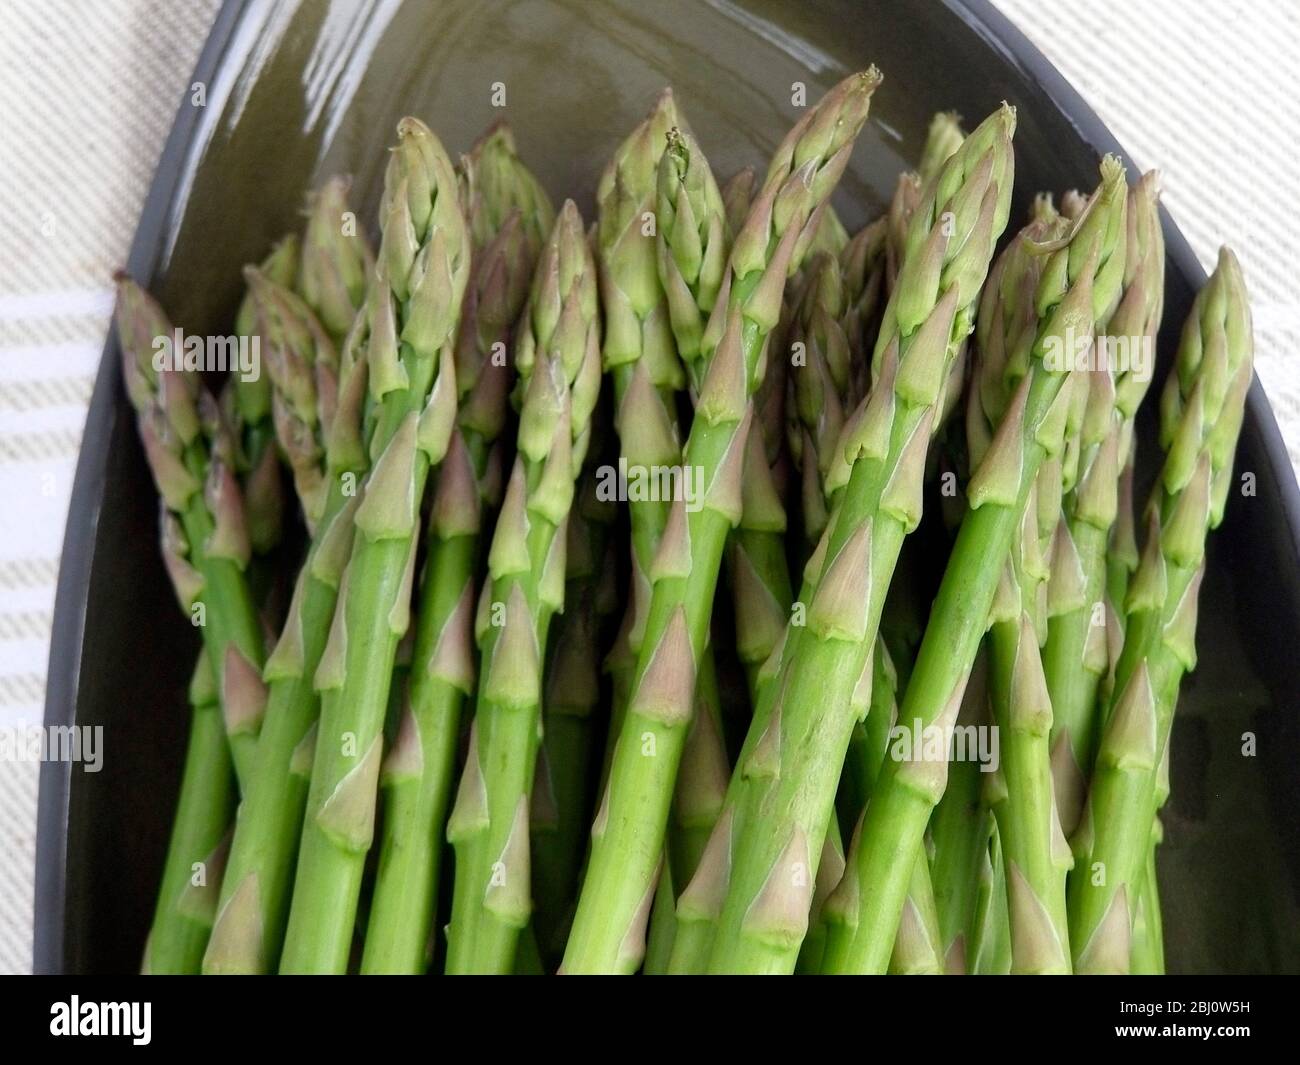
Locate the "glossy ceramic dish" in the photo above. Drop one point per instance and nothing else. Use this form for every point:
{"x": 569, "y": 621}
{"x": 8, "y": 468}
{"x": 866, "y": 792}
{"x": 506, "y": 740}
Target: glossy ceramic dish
{"x": 297, "y": 91}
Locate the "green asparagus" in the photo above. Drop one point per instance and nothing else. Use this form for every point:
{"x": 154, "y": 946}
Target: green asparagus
{"x": 508, "y": 212}
{"x": 1074, "y": 284}
{"x": 205, "y": 539}
{"x": 557, "y": 354}
{"x": 1201, "y": 411}
{"x": 783, "y": 797}
{"x": 1075, "y": 656}
{"x": 421, "y": 275}
{"x": 629, "y": 831}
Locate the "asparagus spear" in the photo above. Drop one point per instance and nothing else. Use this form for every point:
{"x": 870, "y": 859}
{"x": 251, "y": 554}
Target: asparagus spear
{"x": 989, "y": 953}
{"x": 862, "y": 268}
{"x": 253, "y": 396}
{"x": 656, "y": 296}
{"x": 205, "y": 537}
{"x": 317, "y": 402}
{"x": 1075, "y": 656}
{"x": 943, "y": 137}
{"x": 821, "y": 390}
{"x": 1148, "y": 950}
{"x": 336, "y": 260}
{"x": 1201, "y": 412}
{"x": 248, "y": 407}
{"x": 180, "y": 930}
{"x": 737, "y": 196}
{"x": 694, "y": 238}
{"x": 1033, "y": 844}
{"x": 918, "y": 946}
{"x": 506, "y": 210}
{"x": 561, "y": 800}
{"x": 558, "y": 357}
{"x": 959, "y": 830}
{"x": 303, "y": 365}
{"x": 1074, "y": 283}
{"x": 629, "y": 831}
{"x": 691, "y": 250}
{"x": 420, "y": 279}
{"x": 316, "y": 406}
{"x": 783, "y": 799}
{"x": 695, "y": 230}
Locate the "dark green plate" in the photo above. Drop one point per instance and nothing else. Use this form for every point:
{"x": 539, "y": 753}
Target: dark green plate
{"x": 297, "y": 91}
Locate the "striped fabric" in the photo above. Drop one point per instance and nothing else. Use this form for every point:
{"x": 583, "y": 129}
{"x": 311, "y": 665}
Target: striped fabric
{"x": 88, "y": 92}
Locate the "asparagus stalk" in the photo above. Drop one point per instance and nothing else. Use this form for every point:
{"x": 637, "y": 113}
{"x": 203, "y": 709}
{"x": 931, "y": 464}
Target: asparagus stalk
{"x": 694, "y": 242}
{"x": 693, "y": 239}
{"x": 629, "y": 831}
{"x": 691, "y": 249}
{"x": 959, "y": 830}
{"x": 180, "y": 929}
{"x": 558, "y": 357}
{"x": 205, "y": 539}
{"x": 1148, "y": 951}
{"x": 1075, "y": 656}
{"x": 337, "y": 262}
{"x": 255, "y": 892}
{"x": 1075, "y": 281}
{"x": 180, "y": 932}
{"x": 783, "y": 798}
{"x": 821, "y": 388}
{"x": 1034, "y": 848}
{"x": 638, "y": 347}
{"x": 316, "y": 404}
{"x": 248, "y": 406}
{"x": 1201, "y": 413}
{"x": 420, "y": 279}
{"x": 862, "y": 268}
{"x": 561, "y": 801}
{"x": 990, "y": 942}
{"x": 253, "y": 396}
{"x": 943, "y": 137}
{"x": 506, "y": 210}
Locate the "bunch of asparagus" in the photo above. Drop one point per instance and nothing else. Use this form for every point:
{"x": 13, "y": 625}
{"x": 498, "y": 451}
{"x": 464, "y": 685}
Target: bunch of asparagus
{"x": 767, "y": 431}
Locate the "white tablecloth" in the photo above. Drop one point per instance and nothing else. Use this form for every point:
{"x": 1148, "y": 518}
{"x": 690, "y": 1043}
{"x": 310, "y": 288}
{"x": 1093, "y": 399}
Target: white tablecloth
{"x": 1208, "y": 93}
